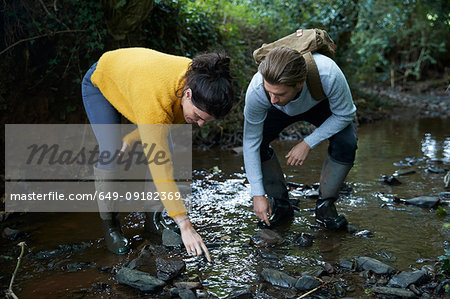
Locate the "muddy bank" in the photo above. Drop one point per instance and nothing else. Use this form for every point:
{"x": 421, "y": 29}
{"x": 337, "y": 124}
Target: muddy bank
{"x": 422, "y": 100}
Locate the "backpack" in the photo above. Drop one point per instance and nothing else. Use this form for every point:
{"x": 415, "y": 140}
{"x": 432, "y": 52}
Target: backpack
{"x": 306, "y": 42}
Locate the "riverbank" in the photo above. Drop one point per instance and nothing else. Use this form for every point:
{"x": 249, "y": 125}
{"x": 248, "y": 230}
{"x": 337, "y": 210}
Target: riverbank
{"x": 376, "y": 102}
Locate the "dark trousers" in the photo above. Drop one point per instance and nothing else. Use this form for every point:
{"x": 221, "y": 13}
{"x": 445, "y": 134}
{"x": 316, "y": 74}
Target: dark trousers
{"x": 342, "y": 146}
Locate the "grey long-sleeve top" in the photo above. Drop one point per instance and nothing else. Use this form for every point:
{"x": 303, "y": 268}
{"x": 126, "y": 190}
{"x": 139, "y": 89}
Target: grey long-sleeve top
{"x": 336, "y": 89}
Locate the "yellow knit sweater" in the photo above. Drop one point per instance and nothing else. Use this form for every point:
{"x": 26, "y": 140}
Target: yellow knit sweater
{"x": 142, "y": 85}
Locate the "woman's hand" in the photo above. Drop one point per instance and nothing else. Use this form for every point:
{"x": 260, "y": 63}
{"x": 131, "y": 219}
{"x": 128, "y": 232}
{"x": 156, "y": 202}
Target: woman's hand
{"x": 123, "y": 149}
{"x": 191, "y": 239}
{"x": 298, "y": 154}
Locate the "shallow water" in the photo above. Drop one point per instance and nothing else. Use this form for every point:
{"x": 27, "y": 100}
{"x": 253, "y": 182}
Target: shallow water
{"x": 403, "y": 236}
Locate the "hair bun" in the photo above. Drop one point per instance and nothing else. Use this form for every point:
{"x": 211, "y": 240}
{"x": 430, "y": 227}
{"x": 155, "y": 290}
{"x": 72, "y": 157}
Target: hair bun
{"x": 215, "y": 65}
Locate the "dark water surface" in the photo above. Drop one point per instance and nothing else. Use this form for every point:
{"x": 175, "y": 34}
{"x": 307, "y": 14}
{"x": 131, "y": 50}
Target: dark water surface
{"x": 403, "y": 236}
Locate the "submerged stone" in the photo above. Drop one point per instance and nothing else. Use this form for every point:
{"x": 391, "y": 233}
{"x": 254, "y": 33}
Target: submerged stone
{"x": 405, "y": 171}
{"x": 139, "y": 280}
{"x": 423, "y": 201}
{"x": 394, "y": 292}
{"x": 182, "y": 293}
{"x": 240, "y": 294}
{"x": 312, "y": 193}
{"x": 344, "y": 264}
{"x": 168, "y": 269}
{"x": 391, "y": 180}
{"x": 304, "y": 240}
{"x": 351, "y": 229}
{"x": 10, "y": 233}
{"x": 404, "y": 279}
{"x": 364, "y": 234}
{"x": 171, "y": 238}
{"x": 436, "y": 170}
{"x": 269, "y": 256}
{"x": 278, "y": 278}
{"x": 266, "y": 237}
{"x": 306, "y": 283}
{"x": 368, "y": 263}
{"x": 444, "y": 194}
{"x": 189, "y": 285}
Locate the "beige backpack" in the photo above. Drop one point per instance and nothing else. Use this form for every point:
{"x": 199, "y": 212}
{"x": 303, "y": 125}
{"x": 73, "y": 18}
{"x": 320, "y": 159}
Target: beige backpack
{"x": 306, "y": 42}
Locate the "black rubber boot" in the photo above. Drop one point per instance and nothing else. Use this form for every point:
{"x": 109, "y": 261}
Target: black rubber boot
{"x": 276, "y": 192}
{"x": 153, "y": 223}
{"x": 114, "y": 239}
{"x": 106, "y": 181}
{"x": 327, "y": 215}
{"x": 331, "y": 179}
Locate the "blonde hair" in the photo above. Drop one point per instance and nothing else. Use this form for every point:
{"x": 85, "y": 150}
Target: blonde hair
{"x": 283, "y": 66}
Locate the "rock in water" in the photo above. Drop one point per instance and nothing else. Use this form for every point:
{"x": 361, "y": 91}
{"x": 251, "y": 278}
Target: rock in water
{"x": 240, "y": 294}
{"x": 368, "y": 263}
{"x": 304, "y": 240}
{"x": 306, "y": 283}
{"x": 139, "y": 280}
{"x": 11, "y": 234}
{"x": 405, "y": 171}
{"x": 171, "y": 239}
{"x": 423, "y": 201}
{"x": 364, "y": 234}
{"x": 444, "y": 194}
{"x": 312, "y": 193}
{"x": 404, "y": 279}
{"x": 167, "y": 269}
{"x": 396, "y": 292}
{"x": 278, "y": 278}
{"x": 182, "y": 293}
{"x": 188, "y": 285}
{"x": 391, "y": 180}
{"x": 436, "y": 170}
{"x": 266, "y": 237}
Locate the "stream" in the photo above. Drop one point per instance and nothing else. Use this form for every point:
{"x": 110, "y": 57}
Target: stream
{"x": 65, "y": 255}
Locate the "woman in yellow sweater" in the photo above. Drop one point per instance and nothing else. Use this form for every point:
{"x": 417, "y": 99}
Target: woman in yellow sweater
{"x": 150, "y": 87}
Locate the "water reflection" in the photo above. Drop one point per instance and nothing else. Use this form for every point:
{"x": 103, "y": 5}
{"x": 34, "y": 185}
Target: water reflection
{"x": 429, "y": 146}
{"x": 447, "y": 149}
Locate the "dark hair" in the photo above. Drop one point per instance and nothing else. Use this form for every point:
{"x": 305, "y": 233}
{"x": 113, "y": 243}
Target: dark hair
{"x": 283, "y": 66}
{"x": 209, "y": 78}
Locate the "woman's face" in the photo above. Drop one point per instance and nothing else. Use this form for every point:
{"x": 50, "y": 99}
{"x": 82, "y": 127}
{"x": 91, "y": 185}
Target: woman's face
{"x": 192, "y": 114}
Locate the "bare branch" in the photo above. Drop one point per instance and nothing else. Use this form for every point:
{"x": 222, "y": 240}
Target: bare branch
{"x": 52, "y": 15}
{"x": 38, "y": 36}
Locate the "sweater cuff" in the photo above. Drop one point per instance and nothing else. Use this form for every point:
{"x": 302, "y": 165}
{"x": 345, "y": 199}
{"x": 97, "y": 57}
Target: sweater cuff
{"x": 312, "y": 140}
{"x": 131, "y": 138}
{"x": 257, "y": 190}
{"x": 174, "y": 214}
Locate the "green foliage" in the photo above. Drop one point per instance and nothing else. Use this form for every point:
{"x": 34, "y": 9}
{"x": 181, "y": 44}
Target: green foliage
{"x": 440, "y": 211}
{"x": 399, "y": 38}
{"x": 378, "y": 41}
{"x": 444, "y": 261}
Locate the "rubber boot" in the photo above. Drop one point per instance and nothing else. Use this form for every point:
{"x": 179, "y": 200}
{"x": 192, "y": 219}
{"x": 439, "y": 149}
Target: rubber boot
{"x": 153, "y": 223}
{"x": 276, "y": 192}
{"x": 106, "y": 181}
{"x": 156, "y": 223}
{"x": 331, "y": 179}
